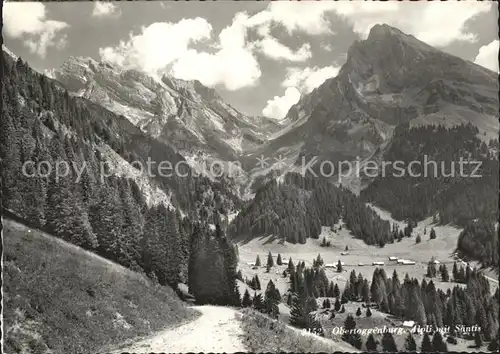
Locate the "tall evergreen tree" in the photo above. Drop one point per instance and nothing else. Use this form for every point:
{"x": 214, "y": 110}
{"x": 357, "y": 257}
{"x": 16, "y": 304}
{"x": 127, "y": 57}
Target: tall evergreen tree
{"x": 426, "y": 345}
{"x": 270, "y": 261}
{"x": 410, "y": 344}
{"x": 278, "y": 260}
{"x": 247, "y": 300}
{"x": 438, "y": 345}
{"x": 371, "y": 343}
{"x": 388, "y": 343}
{"x": 271, "y": 300}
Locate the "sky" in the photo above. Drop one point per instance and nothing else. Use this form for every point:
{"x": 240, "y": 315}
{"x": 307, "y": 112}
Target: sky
{"x": 260, "y": 56}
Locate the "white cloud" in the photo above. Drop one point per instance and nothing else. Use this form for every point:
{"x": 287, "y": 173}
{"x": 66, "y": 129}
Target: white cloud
{"x": 298, "y": 81}
{"x": 275, "y": 50}
{"x": 105, "y": 9}
{"x": 158, "y": 45}
{"x": 278, "y": 107}
{"x": 28, "y": 21}
{"x": 308, "y": 17}
{"x": 307, "y": 79}
{"x": 488, "y": 56}
{"x": 436, "y": 23}
{"x": 165, "y": 48}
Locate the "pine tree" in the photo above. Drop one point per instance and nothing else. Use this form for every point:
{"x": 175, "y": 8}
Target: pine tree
{"x": 455, "y": 272}
{"x": 257, "y": 261}
{"x": 368, "y": 312}
{"x": 432, "y": 234}
{"x": 271, "y": 300}
{"x": 257, "y": 283}
{"x": 410, "y": 344}
{"x": 438, "y": 344}
{"x": 337, "y": 304}
{"x": 270, "y": 261}
{"x": 418, "y": 239}
{"x": 342, "y": 309}
{"x": 426, "y": 345}
{"x": 247, "y": 300}
{"x": 388, "y": 343}
{"x": 336, "y": 291}
{"x": 431, "y": 269}
{"x": 444, "y": 273}
{"x": 291, "y": 266}
{"x": 478, "y": 340}
{"x": 300, "y": 315}
{"x": 258, "y": 302}
{"x": 352, "y": 338}
{"x": 339, "y": 267}
{"x": 358, "y": 312}
{"x": 345, "y": 296}
{"x": 371, "y": 343}
{"x": 493, "y": 346}
{"x": 278, "y": 260}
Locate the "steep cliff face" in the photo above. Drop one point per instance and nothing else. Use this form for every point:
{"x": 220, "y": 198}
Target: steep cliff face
{"x": 388, "y": 79}
{"x": 185, "y": 114}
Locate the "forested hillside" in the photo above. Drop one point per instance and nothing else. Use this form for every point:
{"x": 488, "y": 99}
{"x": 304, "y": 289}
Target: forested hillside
{"x": 297, "y": 208}
{"x": 456, "y": 199}
{"x": 107, "y": 214}
{"x": 451, "y": 198}
{"x": 479, "y": 240}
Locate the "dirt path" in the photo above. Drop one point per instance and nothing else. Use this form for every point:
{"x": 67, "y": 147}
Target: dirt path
{"x": 217, "y": 330}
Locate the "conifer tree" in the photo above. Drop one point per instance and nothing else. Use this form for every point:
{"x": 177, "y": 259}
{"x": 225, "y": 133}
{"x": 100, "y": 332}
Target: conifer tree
{"x": 418, "y": 239}
{"x": 348, "y": 335}
{"x": 270, "y": 261}
{"x": 478, "y": 340}
{"x": 339, "y": 267}
{"x": 426, "y": 345}
{"x": 291, "y": 266}
{"x": 410, "y": 344}
{"x": 337, "y": 304}
{"x": 358, "y": 312}
{"x": 330, "y": 291}
{"x": 336, "y": 291}
{"x": 271, "y": 300}
{"x": 371, "y": 343}
{"x": 388, "y": 343}
{"x": 432, "y": 234}
{"x": 258, "y": 302}
{"x": 431, "y": 269}
{"x": 444, "y": 273}
{"x": 438, "y": 345}
{"x": 493, "y": 346}
{"x": 455, "y": 272}
{"x": 278, "y": 260}
{"x": 368, "y": 312}
{"x": 257, "y": 261}
{"x": 247, "y": 300}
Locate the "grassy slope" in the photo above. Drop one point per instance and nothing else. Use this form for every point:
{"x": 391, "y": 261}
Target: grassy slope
{"x": 262, "y": 334}
{"x": 59, "y": 296}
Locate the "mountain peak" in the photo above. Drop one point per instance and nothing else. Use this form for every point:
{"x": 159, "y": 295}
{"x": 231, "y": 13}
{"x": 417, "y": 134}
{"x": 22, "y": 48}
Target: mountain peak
{"x": 383, "y": 29}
